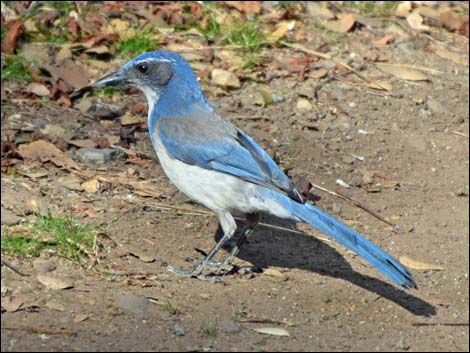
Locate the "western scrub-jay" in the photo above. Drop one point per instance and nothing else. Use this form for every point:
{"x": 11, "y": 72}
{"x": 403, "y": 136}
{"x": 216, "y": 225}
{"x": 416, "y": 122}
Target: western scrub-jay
{"x": 219, "y": 166}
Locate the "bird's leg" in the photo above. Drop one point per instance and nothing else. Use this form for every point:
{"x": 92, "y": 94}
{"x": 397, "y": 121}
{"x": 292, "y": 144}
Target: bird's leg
{"x": 229, "y": 226}
{"x": 252, "y": 220}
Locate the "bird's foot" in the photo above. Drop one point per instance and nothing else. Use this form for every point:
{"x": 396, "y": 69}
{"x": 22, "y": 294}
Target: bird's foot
{"x": 196, "y": 273}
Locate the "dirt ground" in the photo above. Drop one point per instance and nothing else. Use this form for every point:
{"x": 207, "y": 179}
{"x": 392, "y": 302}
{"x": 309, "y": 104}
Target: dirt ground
{"x": 324, "y": 296}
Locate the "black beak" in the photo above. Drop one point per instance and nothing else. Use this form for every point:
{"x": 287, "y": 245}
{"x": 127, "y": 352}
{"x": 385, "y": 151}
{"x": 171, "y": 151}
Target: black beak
{"x": 114, "y": 78}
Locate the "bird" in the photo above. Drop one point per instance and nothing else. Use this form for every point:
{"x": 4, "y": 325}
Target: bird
{"x": 222, "y": 168}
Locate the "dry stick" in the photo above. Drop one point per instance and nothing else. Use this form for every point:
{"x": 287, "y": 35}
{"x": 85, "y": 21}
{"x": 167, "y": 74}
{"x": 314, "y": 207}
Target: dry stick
{"x": 14, "y": 269}
{"x": 329, "y": 57}
{"x": 460, "y": 133}
{"x": 440, "y": 324}
{"x": 356, "y": 203}
{"x": 46, "y": 331}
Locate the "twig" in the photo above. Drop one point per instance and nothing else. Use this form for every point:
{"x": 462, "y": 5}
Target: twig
{"x": 440, "y": 324}
{"x": 329, "y": 57}
{"x": 355, "y": 203}
{"x": 266, "y": 321}
{"x": 46, "y": 331}
{"x": 460, "y": 133}
{"x": 417, "y": 68}
{"x": 14, "y": 269}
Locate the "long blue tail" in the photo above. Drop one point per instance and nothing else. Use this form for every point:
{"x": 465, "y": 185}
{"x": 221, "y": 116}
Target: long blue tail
{"x": 354, "y": 242}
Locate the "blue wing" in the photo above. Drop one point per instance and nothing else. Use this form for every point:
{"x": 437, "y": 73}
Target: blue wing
{"x": 210, "y": 142}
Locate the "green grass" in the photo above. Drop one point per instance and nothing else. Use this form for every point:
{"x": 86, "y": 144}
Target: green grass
{"x": 209, "y": 329}
{"x": 14, "y": 68}
{"x": 62, "y": 6}
{"x": 171, "y": 308}
{"x": 60, "y": 234}
{"x": 142, "y": 41}
{"x": 212, "y": 28}
{"x": 106, "y": 91}
{"x": 247, "y": 35}
{"x": 242, "y": 312}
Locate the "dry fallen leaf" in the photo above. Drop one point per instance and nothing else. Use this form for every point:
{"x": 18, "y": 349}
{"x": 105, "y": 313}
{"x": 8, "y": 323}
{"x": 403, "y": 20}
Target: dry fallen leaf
{"x": 415, "y": 20}
{"x": 142, "y": 256}
{"x": 80, "y": 318}
{"x": 380, "y": 42}
{"x": 456, "y": 58}
{"x": 402, "y": 72}
{"x": 273, "y": 272}
{"x": 54, "y": 283}
{"x": 403, "y": 8}
{"x": 245, "y": 6}
{"x": 14, "y": 28}
{"x": 143, "y": 188}
{"x": 45, "y": 152}
{"x": 71, "y": 181}
{"x": 38, "y": 89}
{"x": 91, "y": 186}
{"x": 273, "y": 331}
{"x": 343, "y": 25}
{"x": 129, "y": 119}
{"x": 417, "y": 265}
{"x": 281, "y": 29}
{"x": 12, "y": 304}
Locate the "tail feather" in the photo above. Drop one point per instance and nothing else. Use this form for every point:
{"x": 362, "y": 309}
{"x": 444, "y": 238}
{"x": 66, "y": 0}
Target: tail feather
{"x": 382, "y": 261}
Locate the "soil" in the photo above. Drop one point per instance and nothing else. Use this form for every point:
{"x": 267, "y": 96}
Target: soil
{"x": 327, "y": 298}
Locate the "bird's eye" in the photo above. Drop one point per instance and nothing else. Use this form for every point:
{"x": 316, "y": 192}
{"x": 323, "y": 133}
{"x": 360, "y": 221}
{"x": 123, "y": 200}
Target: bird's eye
{"x": 143, "y": 68}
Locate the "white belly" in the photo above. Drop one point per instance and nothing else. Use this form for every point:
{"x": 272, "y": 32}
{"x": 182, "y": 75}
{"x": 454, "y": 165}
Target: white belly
{"x": 217, "y": 191}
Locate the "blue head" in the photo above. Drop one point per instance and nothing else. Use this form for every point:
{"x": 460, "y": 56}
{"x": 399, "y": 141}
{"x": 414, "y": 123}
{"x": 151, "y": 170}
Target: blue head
{"x": 166, "y": 79}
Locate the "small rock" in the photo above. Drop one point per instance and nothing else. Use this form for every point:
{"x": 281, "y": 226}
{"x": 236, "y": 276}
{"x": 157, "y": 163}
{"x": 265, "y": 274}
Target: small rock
{"x": 337, "y": 209}
{"x": 348, "y": 160}
{"x": 231, "y": 327}
{"x": 278, "y": 98}
{"x": 304, "y": 105}
{"x": 9, "y": 218}
{"x": 43, "y": 266}
{"x": 133, "y": 304}
{"x": 102, "y": 110}
{"x": 179, "y": 330}
{"x": 435, "y": 107}
{"x": 329, "y": 64}
{"x": 225, "y": 78}
{"x": 99, "y": 156}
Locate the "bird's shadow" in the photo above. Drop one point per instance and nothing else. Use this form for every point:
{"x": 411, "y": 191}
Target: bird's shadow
{"x": 268, "y": 247}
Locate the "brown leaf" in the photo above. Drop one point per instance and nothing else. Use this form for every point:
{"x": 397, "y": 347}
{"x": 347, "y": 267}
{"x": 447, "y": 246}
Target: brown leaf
{"x": 281, "y": 30}
{"x": 68, "y": 71}
{"x": 54, "y": 283}
{"x": 129, "y": 119}
{"x": 343, "y": 25}
{"x": 417, "y": 265}
{"x": 415, "y": 20}
{"x": 71, "y": 181}
{"x": 402, "y": 72}
{"x": 38, "y": 89}
{"x": 14, "y": 30}
{"x": 380, "y": 42}
{"x": 83, "y": 143}
{"x": 403, "y": 8}
{"x": 453, "y": 20}
{"x": 245, "y": 6}
{"x": 91, "y": 186}
{"x": 143, "y": 188}
{"x": 455, "y": 57}
{"x": 44, "y": 152}
{"x": 12, "y": 304}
